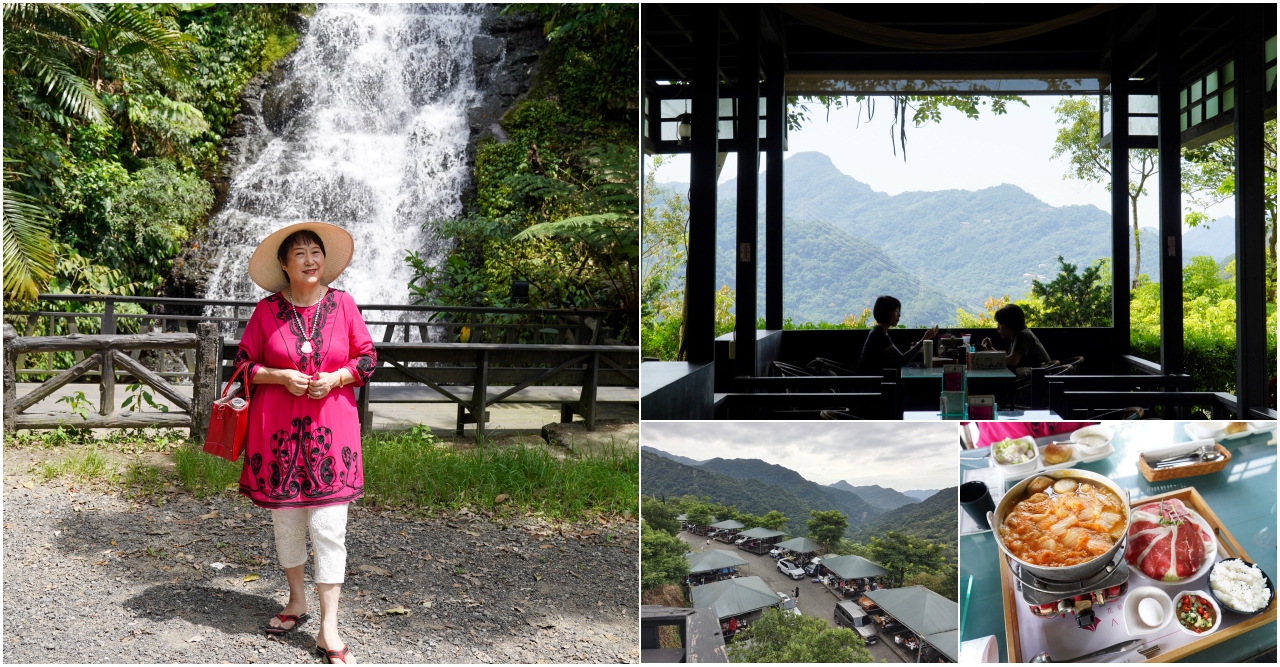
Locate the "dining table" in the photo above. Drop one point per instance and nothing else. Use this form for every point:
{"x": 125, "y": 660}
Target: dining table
{"x": 1242, "y": 495}
{"x": 923, "y": 386}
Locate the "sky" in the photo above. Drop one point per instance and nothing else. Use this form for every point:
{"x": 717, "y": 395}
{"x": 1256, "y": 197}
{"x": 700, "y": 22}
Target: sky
{"x": 958, "y": 153}
{"x": 901, "y": 456}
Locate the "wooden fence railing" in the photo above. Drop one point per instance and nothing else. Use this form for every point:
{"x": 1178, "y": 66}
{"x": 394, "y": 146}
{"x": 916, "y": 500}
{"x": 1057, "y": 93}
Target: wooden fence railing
{"x": 109, "y": 355}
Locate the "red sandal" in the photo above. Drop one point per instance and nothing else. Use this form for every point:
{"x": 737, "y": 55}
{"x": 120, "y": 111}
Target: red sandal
{"x": 284, "y": 618}
{"x": 329, "y": 655}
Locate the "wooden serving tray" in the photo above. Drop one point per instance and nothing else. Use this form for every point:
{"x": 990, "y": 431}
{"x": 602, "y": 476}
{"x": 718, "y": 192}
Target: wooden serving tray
{"x": 1154, "y": 475}
{"x": 1192, "y": 499}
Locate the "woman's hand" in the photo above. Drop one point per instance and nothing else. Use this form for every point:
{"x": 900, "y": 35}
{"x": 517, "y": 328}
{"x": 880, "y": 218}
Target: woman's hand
{"x": 323, "y": 384}
{"x": 930, "y": 333}
{"x": 986, "y": 343}
{"x": 295, "y": 381}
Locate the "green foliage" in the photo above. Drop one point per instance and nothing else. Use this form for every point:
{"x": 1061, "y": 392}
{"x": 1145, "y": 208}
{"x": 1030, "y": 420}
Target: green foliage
{"x": 827, "y": 527}
{"x": 414, "y": 469}
{"x": 87, "y": 466}
{"x": 204, "y": 474}
{"x": 78, "y": 404}
{"x": 659, "y": 516}
{"x": 662, "y": 558}
{"x": 943, "y": 583}
{"x": 774, "y": 520}
{"x": 699, "y": 515}
{"x": 780, "y": 637}
{"x": 556, "y": 202}
{"x": 136, "y": 395}
{"x": 113, "y": 114}
{"x": 1073, "y": 299}
{"x": 903, "y": 554}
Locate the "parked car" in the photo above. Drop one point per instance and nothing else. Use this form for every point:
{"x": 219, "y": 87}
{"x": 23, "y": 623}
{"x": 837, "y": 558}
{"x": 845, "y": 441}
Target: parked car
{"x": 790, "y": 569}
{"x": 777, "y": 552}
{"x": 788, "y": 605}
{"x": 740, "y": 540}
{"x": 811, "y": 569}
{"x": 712, "y": 533}
{"x": 849, "y": 615}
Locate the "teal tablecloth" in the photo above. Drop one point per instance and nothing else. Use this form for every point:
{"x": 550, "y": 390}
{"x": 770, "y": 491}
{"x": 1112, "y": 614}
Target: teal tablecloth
{"x": 1243, "y": 495}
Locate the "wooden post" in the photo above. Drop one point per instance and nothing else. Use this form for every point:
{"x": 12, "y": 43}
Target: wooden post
{"x": 1251, "y": 262}
{"x": 480, "y": 392}
{"x": 107, "y": 395}
{"x": 205, "y": 382}
{"x": 109, "y": 317}
{"x": 10, "y": 380}
{"x": 747, "y": 136}
{"x": 590, "y": 383}
{"x": 700, "y": 272}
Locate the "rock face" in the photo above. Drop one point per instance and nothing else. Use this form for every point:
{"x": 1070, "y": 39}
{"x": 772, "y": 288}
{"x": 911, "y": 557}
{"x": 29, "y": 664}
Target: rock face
{"x": 506, "y": 60}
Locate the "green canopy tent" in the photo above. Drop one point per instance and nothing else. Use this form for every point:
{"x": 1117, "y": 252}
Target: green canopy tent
{"x": 853, "y": 567}
{"x": 728, "y": 524}
{"x": 712, "y": 560}
{"x": 682, "y": 517}
{"x": 924, "y": 613}
{"x": 735, "y": 597}
{"x": 947, "y": 643}
{"x": 800, "y": 545}
{"x": 761, "y": 533}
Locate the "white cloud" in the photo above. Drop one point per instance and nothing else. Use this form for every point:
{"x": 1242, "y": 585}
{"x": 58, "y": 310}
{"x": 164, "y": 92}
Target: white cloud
{"x": 900, "y": 455}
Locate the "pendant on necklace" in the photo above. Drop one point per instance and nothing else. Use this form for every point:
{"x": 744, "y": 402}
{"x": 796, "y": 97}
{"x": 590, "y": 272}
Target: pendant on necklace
{"x": 306, "y": 347}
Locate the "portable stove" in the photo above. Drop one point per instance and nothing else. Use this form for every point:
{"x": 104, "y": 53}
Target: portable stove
{"x": 1048, "y": 598}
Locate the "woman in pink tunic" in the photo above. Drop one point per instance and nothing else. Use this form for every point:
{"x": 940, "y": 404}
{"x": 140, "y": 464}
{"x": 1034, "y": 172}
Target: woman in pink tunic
{"x": 305, "y": 347}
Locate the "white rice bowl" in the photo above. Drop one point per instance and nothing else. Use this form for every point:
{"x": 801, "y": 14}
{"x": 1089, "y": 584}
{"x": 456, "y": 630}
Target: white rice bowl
{"x": 1239, "y": 586}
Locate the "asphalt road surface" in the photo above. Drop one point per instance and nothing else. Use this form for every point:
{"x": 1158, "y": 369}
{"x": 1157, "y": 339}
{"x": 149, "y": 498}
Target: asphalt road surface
{"x": 814, "y": 600}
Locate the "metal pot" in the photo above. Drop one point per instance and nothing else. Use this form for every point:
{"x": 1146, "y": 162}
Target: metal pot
{"x": 1069, "y": 572}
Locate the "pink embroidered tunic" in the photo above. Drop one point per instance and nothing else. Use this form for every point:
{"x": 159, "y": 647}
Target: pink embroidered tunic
{"x": 301, "y": 451}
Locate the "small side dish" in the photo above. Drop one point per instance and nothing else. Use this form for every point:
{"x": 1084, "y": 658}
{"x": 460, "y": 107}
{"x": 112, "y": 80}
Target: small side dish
{"x": 1196, "y": 613}
{"x": 1012, "y": 452}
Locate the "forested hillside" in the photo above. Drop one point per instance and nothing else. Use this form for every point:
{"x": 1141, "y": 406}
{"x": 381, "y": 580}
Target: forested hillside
{"x": 815, "y": 495}
{"x": 678, "y": 459}
{"x": 935, "y": 518}
{"x": 877, "y": 495}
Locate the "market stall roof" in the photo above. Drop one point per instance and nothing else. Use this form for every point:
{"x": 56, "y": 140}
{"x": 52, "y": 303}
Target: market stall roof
{"x": 761, "y": 533}
{"x": 853, "y": 567}
{"x": 682, "y": 517}
{"x": 728, "y": 524}
{"x": 712, "y": 559}
{"x": 734, "y": 597}
{"x": 920, "y": 609}
{"x": 948, "y": 643}
{"x": 800, "y": 545}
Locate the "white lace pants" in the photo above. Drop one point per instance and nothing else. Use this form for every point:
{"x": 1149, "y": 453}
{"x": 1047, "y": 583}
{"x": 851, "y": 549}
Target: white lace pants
{"x": 328, "y": 538}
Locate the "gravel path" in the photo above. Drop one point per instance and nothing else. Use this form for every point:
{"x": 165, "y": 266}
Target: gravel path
{"x": 814, "y": 599}
{"x": 93, "y": 577}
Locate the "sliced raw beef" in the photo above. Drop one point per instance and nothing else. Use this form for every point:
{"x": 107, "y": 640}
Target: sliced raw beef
{"x": 1165, "y": 543}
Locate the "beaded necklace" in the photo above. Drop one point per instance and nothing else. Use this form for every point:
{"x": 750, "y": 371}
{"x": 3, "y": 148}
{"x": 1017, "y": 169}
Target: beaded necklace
{"x": 315, "y": 320}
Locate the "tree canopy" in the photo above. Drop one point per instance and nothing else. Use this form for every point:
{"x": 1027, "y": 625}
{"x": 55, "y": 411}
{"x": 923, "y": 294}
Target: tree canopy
{"x": 827, "y": 527}
{"x": 662, "y": 558}
{"x": 787, "y": 638}
{"x": 903, "y": 554}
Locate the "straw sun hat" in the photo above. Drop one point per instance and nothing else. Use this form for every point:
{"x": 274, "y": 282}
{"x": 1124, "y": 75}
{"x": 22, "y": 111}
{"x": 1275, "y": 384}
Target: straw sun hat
{"x": 264, "y": 265}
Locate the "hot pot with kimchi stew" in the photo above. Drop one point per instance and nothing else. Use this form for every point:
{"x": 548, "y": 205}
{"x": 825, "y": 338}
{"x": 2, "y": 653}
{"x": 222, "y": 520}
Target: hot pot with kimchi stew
{"x": 1062, "y": 525}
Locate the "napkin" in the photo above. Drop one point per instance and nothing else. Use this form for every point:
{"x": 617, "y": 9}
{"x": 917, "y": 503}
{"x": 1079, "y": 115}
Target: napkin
{"x": 982, "y": 649}
{"x": 1158, "y": 452}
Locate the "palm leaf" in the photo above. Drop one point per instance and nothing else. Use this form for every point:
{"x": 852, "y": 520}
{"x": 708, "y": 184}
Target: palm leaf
{"x": 71, "y": 91}
{"x": 28, "y": 250}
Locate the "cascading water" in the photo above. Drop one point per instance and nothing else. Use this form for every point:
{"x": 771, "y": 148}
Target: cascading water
{"x": 368, "y": 131}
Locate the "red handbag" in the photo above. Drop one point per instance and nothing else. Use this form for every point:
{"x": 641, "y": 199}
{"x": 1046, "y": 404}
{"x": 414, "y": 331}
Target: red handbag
{"x": 229, "y": 421}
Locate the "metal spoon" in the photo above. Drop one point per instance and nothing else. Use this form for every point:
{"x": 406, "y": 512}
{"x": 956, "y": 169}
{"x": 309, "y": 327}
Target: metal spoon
{"x": 1202, "y": 455}
{"x": 1191, "y": 456}
{"x": 1122, "y": 647}
{"x": 1207, "y": 459}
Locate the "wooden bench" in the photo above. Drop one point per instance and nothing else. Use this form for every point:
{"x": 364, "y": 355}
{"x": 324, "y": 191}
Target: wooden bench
{"x": 474, "y": 375}
{"x": 567, "y": 397}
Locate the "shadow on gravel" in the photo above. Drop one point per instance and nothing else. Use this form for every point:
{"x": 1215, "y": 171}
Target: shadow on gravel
{"x": 229, "y": 612}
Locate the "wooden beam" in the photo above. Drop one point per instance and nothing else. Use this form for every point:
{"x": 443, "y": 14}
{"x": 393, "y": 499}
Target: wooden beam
{"x": 1170, "y": 178}
{"x": 700, "y": 271}
{"x": 122, "y": 419}
{"x": 1251, "y": 306}
{"x": 146, "y": 376}
{"x": 1120, "y": 280}
{"x": 10, "y": 378}
{"x": 747, "y": 134}
{"x": 53, "y": 384}
{"x": 205, "y": 382}
{"x": 149, "y": 341}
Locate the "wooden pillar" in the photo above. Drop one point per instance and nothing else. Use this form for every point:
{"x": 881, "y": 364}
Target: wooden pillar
{"x": 10, "y": 380}
{"x": 1170, "y": 176}
{"x": 747, "y": 138}
{"x": 1251, "y": 307}
{"x": 480, "y": 392}
{"x": 107, "y": 389}
{"x": 775, "y": 133}
{"x": 1121, "y": 324}
{"x": 205, "y": 382}
{"x": 700, "y": 271}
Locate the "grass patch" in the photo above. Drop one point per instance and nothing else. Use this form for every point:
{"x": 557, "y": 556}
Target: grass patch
{"x": 142, "y": 479}
{"x": 204, "y": 474}
{"x": 415, "y": 469}
{"x": 89, "y": 466}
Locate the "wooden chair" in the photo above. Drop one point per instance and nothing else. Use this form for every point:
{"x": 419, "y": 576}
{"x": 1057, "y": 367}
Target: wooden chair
{"x": 1030, "y": 392}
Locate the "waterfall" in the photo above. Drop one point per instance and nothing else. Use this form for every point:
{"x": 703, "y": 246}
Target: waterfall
{"x": 367, "y": 130}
